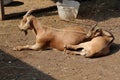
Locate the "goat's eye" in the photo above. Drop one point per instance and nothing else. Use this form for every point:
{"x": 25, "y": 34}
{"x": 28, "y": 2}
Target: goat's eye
{"x": 24, "y": 21}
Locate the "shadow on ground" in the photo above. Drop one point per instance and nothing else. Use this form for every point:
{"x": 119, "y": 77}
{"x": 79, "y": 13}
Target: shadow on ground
{"x": 14, "y": 3}
{"x": 114, "y": 48}
{"x": 12, "y": 68}
{"x": 97, "y": 10}
{"x": 40, "y": 11}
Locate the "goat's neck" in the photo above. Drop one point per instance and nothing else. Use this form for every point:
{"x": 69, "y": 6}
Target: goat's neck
{"x": 36, "y": 27}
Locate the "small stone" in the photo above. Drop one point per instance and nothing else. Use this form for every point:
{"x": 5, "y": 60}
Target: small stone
{"x": 9, "y": 62}
{"x": 39, "y": 67}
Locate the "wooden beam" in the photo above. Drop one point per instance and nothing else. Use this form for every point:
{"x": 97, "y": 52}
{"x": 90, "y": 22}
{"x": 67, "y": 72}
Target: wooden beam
{"x": 2, "y": 10}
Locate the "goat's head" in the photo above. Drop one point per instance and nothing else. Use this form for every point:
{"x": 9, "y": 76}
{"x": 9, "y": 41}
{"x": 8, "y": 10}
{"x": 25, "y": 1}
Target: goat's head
{"x": 94, "y": 32}
{"x": 26, "y": 22}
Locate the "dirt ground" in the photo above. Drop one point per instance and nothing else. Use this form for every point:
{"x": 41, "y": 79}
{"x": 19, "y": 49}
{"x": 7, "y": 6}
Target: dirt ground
{"x": 54, "y": 65}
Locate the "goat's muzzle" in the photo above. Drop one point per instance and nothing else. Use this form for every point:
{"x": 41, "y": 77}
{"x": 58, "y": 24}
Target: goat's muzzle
{"x": 25, "y": 31}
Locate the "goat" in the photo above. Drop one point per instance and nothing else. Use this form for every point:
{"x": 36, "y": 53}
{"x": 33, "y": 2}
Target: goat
{"x": 98, "y": 46}
{"x": 49, "y": 37}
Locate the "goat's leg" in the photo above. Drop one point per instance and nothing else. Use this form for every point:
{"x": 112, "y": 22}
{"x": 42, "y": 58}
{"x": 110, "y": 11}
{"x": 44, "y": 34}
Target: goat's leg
{"x": 75, "y": 47}
{"x": 104, "y": 52}
{"x": 88, "y": 54}
{"x": 36, "y": 46}
{"x": 82, "y": 53}
{"x": 72, "y": 52}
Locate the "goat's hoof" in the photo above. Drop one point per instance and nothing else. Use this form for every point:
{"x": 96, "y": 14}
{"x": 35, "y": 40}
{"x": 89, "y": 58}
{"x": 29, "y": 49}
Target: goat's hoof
{"x": 64, "y": 52}
{"x": 83, "y": 52}
{"x": 67, "y": 52}
{"x": 18, "y": 48}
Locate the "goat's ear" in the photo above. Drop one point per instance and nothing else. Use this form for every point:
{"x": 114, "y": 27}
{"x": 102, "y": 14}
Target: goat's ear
{"x": 98, "y": 32}
{"x": 106, "y": 33}
{"x": 89, "y": 34}
{"x": 92, "y": 30}
{"x": 28, "y": 13}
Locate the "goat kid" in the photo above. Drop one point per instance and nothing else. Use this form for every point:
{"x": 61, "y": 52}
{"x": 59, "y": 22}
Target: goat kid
{"x": 49, "y": 37}
{"x": 98, "y": 46}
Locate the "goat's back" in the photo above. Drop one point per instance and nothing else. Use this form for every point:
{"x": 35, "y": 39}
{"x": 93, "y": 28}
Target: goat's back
{"x": 68, "y": 35}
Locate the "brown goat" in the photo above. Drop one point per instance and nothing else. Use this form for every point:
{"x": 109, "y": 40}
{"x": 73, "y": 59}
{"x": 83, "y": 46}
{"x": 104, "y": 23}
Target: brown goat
{"x": 50, "y": 37}
{"x": 98, "y": 46}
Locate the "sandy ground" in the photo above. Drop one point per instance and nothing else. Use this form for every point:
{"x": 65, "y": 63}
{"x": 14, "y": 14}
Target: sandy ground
{"x": 54, "y": 65}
